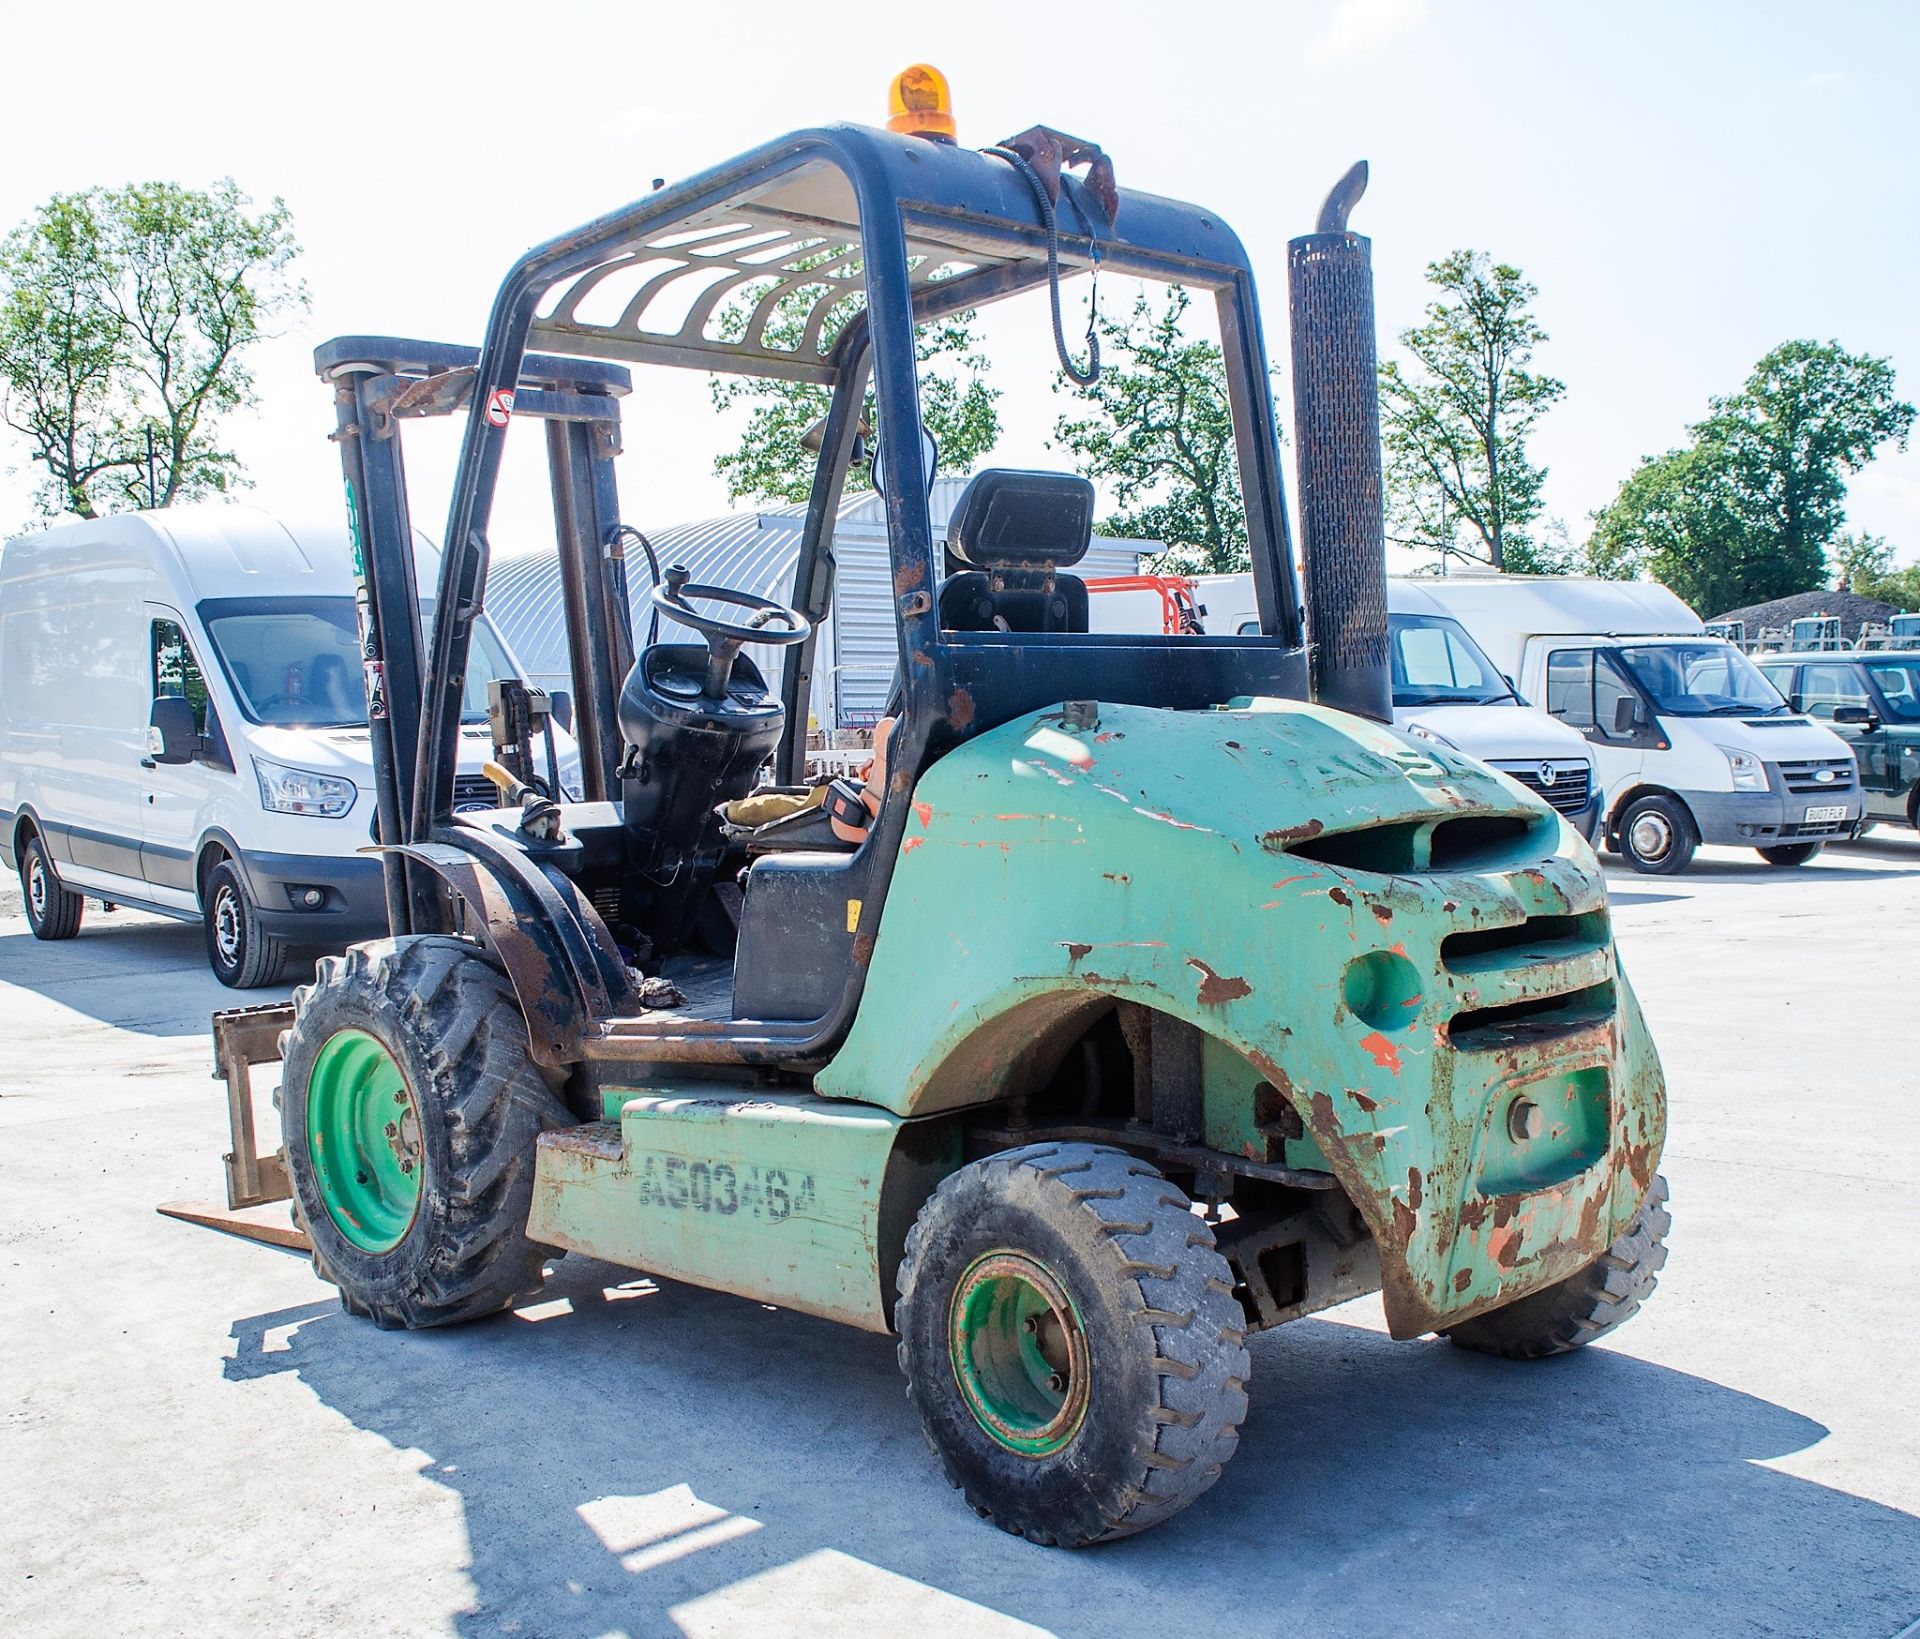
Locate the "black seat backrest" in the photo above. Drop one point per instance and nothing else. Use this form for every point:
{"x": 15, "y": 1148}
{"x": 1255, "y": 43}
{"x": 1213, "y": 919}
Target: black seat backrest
{"x": 1010, "y": 535}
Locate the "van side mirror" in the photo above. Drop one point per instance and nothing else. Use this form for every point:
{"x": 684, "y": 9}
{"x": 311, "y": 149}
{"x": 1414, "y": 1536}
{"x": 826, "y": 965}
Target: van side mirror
{"x": 1626, "y": 715}
{"x": 171, "y": 734}
{"x": 1855, "y": 717}
{"x": 560, "y": 704}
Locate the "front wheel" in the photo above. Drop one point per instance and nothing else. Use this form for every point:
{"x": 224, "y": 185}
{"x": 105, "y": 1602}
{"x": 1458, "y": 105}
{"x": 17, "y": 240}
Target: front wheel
{"x": 53, "y": 910}
{"x": 1071, "y": 1342}
{"x": 1790, "y": 853}
{"x": 242, "y": 954}
{"x": 411, "y": 1109}
{"x": 1658, "y": 836}
{"x": 1571, "y": 1313}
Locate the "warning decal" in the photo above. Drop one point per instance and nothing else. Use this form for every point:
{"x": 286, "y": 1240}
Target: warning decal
{"x": 499, "y": 406}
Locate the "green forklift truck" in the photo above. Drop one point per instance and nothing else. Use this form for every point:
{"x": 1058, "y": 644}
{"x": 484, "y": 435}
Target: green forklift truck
{"x": 1149, "y": 990}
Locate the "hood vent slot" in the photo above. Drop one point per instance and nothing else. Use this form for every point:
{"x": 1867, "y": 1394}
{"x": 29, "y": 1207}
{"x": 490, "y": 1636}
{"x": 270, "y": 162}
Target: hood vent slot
{"x": 1466, "y": 842}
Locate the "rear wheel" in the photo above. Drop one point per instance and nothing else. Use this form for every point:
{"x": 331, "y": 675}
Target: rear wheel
{"x": 53, "y": 911}
{"x": 1072, "y": 1343}
{"x": 411, "y": 1109}
{"x": 1571, "y": 1313}
{"x": 1790, "y": 853}
{"x": 1658, "y": 836}
{"x": 242, "y": 954}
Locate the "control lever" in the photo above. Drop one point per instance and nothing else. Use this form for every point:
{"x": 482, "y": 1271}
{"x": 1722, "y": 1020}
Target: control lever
{"x": 539, "y": 813}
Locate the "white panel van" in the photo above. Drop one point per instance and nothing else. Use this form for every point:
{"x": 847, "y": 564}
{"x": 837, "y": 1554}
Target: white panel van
{"x": 1691, "y": 742}
{"x": 261, "y": 834}
{"x": 1446, "y": 689}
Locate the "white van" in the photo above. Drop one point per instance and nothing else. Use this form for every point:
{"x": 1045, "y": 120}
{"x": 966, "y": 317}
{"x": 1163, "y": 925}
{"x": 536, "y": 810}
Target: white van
{"x": 1691, "y": 742}
{"x": 1446, "y": 689}
{"x": 259, "y": 834}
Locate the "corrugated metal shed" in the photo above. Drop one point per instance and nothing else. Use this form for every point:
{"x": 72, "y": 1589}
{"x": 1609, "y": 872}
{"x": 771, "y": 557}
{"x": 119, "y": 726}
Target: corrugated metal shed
{"x": 757, "y": 552}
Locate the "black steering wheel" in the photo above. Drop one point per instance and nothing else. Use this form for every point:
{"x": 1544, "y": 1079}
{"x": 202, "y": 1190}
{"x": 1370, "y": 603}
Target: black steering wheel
{"x": 724, "y": 637}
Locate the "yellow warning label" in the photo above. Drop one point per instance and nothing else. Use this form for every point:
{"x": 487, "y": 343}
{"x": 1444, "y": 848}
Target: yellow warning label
{"x": 853, "y": 914}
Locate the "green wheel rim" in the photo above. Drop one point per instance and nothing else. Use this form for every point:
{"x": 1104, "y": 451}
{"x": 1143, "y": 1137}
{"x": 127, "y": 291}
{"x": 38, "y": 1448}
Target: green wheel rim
{"x": 363, "y": 1134}
{"x": 1019, "y": 1353}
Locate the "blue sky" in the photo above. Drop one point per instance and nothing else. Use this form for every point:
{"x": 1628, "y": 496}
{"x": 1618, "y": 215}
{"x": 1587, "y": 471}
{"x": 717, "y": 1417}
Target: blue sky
{"x": 1687, "y": 184}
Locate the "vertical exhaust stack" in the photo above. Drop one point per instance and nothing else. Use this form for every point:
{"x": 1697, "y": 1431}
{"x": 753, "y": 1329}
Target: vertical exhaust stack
{"x": 1336, "y": 408}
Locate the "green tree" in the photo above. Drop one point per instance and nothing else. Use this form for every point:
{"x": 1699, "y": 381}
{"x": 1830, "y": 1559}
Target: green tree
{"x": 1864, "y": 564}
{"x": 1159, "y": 430}
{"x": 1454, "y": 422}
{"x": 1748, "y": 510}
{"x": 770, "y": 463}
{"x": 125, "y": 317}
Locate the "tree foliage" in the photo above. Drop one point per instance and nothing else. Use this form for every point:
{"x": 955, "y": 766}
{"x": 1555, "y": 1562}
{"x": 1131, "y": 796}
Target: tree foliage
{"x": 1864, "y": 564}
{"x": 127, "y": 313}
{"x": 770, "y": 463}
{"x": 1159, "y": 430}
{"x": 1454, "y": 421}
{"x": 1748, "y": 509}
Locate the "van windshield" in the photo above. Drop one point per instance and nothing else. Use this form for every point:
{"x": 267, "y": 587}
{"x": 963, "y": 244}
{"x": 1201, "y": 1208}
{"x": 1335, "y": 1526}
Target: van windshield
{"x": 1703, "y": 679}
{"x": 295, "y": 662}
{"x": 1435, "y": 663}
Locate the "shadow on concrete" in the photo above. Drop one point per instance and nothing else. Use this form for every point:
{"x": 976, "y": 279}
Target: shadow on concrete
{"x": 133, "y": 971}
{"x": 614, "y": 1451}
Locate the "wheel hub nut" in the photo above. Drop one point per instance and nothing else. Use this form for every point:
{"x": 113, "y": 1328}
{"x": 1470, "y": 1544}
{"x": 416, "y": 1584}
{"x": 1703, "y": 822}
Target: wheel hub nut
{"x": 1525, "y": 1120}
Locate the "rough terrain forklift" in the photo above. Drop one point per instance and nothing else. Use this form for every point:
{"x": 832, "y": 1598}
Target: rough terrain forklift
{"x": 1135, "y": 1001}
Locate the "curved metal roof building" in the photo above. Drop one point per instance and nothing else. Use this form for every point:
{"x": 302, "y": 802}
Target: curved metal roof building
{"x": 757, "y": 552}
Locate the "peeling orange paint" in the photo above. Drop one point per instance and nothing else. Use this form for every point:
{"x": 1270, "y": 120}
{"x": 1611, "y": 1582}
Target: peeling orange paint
{"x": 1382, "y": 1051}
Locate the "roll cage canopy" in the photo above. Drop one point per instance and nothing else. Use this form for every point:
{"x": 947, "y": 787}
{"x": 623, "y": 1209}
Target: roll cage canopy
{"x": 850, "y": 237}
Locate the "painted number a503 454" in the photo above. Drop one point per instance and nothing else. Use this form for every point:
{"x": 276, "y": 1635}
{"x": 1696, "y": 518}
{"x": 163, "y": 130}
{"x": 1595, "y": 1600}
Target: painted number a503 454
{"x": 1816, "y": 815}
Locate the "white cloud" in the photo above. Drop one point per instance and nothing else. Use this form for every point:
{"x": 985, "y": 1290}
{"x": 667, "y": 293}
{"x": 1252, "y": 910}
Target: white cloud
{"x": 1359, "y": 26}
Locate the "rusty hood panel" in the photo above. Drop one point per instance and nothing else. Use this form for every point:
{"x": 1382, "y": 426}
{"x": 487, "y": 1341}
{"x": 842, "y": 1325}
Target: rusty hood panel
{"x": 1286, "y": 877}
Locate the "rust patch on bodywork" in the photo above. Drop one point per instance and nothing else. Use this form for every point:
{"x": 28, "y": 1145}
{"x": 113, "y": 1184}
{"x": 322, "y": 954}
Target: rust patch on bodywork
{"x": 1216, "y": 989}
{"x": 1340, "y": 896}
{"x": 960, "y": 709}
{"x": 1277, "y": 842}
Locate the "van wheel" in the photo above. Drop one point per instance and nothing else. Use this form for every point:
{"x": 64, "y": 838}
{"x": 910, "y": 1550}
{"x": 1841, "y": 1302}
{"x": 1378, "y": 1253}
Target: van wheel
{"x": 53, "y": 911}
{"x": 1658, "y": 836}
{"x": 242, "y": 954}
{"x": 1789, "y": 853}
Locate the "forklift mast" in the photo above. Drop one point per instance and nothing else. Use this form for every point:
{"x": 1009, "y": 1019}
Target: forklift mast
{"x": 378, "y": 382}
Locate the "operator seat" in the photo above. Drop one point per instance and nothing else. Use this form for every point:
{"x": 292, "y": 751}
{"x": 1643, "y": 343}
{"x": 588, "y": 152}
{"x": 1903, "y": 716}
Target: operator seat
{"x": 1010, "y": 535}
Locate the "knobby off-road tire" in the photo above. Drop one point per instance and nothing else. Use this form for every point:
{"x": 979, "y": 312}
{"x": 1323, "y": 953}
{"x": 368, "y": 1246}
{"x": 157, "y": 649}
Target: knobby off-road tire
{"x": 456, "y": 1063}
{"x": 1145, "y": 1404}
{"x": 53, "y": 911}
{"x": 242, "y": 954}
{"x": 1575, "y": 1311}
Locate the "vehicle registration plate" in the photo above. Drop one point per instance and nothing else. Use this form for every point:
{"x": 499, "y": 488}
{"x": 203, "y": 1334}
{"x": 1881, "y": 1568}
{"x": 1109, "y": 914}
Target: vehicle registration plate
{"x": 1816, "y": 815}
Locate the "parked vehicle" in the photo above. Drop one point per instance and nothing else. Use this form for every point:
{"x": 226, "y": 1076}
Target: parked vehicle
{"x": 1447, "y": 690}
{"x": 1871, "y": 699}
{"x": 183, "y": 728}
{"x": 1133, "y": 1003}
{"x": 1692, "y": 744}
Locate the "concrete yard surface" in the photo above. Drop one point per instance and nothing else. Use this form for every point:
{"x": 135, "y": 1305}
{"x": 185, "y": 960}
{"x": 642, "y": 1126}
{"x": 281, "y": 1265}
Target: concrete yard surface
{"x": 197, "y": 1440}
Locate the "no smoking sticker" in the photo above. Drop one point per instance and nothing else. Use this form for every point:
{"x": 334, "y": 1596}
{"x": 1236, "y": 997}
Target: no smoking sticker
{"x": 499, "y": 406}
